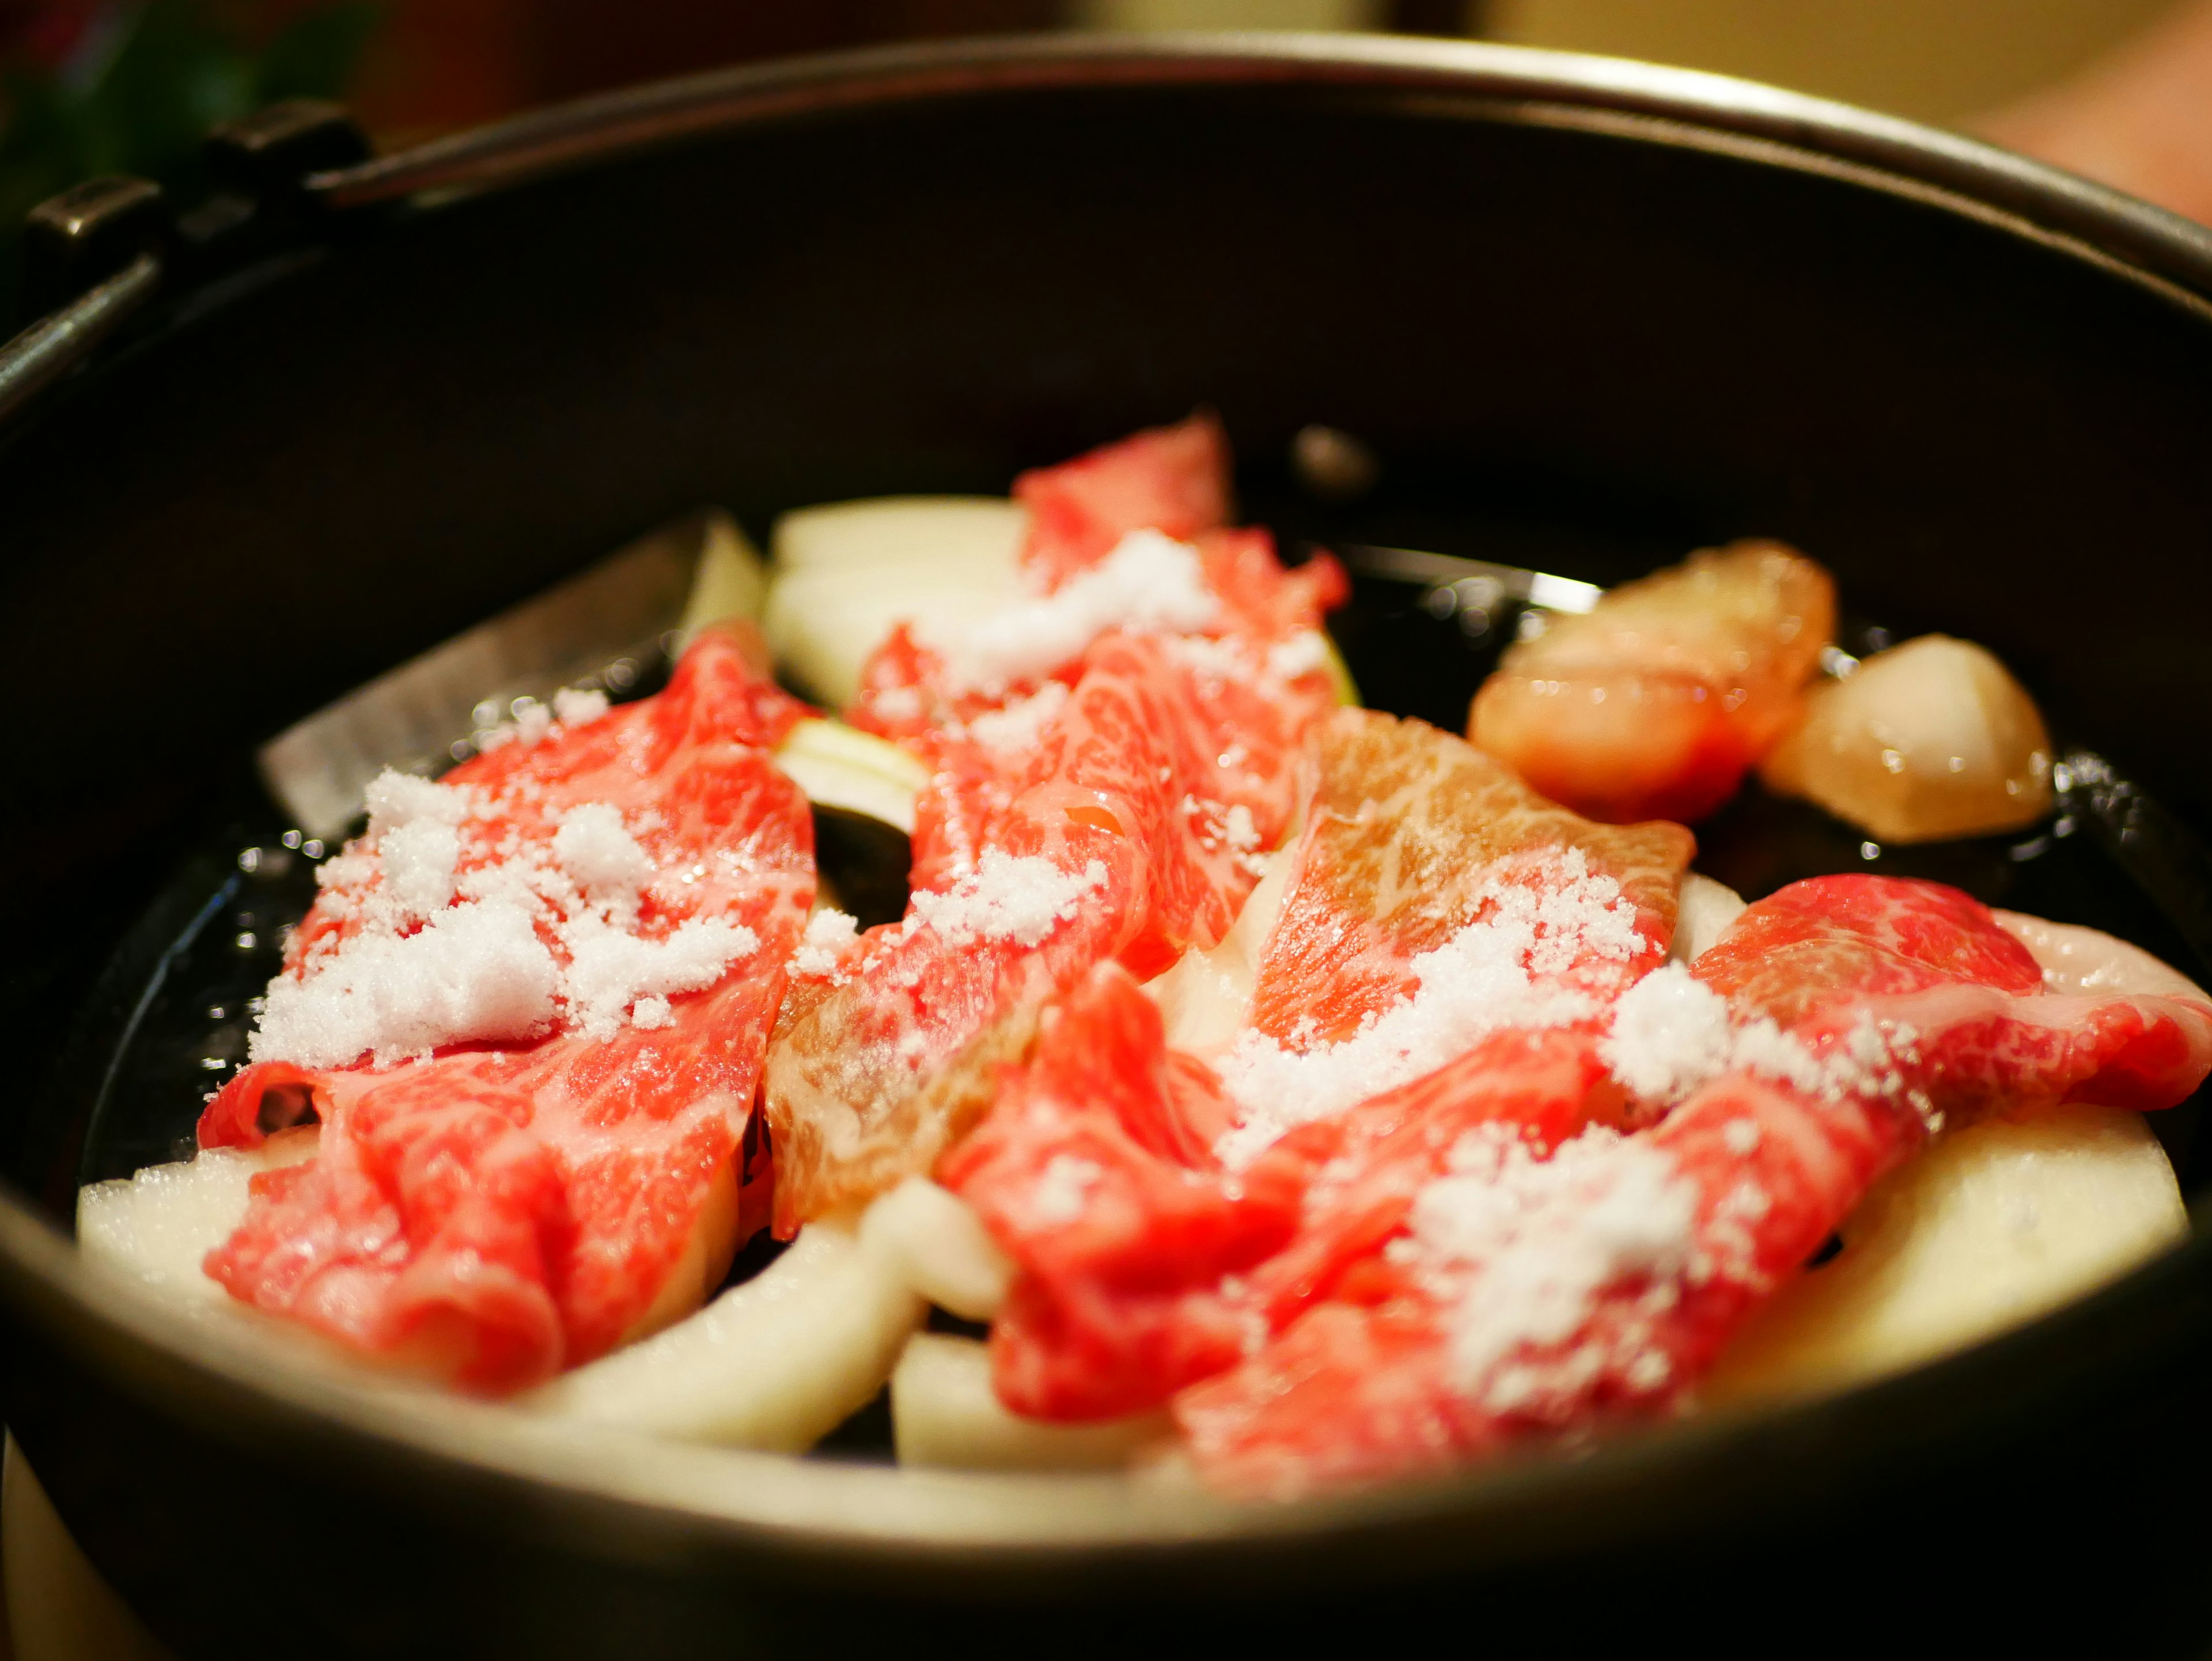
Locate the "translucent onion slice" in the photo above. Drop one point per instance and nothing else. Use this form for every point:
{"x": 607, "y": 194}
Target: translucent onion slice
{"x": 775, "y": 1363}
{"x": 1706, "y": 909}
{"x": 1928, "y": 741}
{"x": 160, "y": 1224}
{"x": 845, "y": 574}
{"x": 939, "y": 1247}
{"x": 944, "y": 1413}
{"x": 841, "y": 768}
{"x": 1996, "y": 1224}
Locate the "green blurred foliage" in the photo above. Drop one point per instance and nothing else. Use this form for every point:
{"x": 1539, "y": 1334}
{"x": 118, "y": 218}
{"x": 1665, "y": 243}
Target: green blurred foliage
{"x": 139, "y": 94}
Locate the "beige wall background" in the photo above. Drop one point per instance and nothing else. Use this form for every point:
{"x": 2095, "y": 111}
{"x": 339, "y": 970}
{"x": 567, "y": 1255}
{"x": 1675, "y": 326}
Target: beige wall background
{"x": 1935, "y": 60}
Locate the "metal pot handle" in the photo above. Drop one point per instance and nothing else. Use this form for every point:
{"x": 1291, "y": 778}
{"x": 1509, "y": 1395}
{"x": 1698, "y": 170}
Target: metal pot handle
{"x": 96, "y": 253}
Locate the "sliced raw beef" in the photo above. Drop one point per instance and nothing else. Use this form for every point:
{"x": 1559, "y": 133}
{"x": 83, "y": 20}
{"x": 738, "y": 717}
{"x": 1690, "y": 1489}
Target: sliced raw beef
{"x": 1171, "y": 479}
{"x": 1162, "y": 1225}
{"x": 530, "y": 1008}
{"x": 1110, "y": 757}
{"x": 1838, "y": 1023}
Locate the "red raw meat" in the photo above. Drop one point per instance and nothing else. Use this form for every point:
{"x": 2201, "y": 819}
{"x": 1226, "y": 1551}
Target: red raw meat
{"x": 1110, "y": 1312}
{"x": 1172, "y": 761}
{"x": 501, "y": 1211}
{"x": 1173, "y": 479}
{"x": 1917, "y": 1005}
{"x": 866, "y": 1081}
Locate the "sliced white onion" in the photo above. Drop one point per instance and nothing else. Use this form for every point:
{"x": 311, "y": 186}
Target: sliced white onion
{"x": 1996, "y": 1224}
{"x": 1705, "y": 910}
{"x": 839, "y": 766}
{"x": 1204, "y": 999}
{"x": 944, "y": 1413}
{"x": 775, "y": 1363}
{"x": 728, "y": 582}
{"x": 845, "y": 574}
{"x": 160, "y": 1224}
{"x": 929, "y": 532}
{"x": 940, "y": 1248}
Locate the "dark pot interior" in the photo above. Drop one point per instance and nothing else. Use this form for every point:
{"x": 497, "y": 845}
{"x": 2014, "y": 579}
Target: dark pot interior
{"x": 1579, "y": 340}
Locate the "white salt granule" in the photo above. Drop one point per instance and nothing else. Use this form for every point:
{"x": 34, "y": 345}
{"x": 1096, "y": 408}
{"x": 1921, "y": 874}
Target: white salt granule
{"x": 1063, "y": 1187}
{"x": 1499, "y": 971}
{"x": 571, "y": 705}
{"x": 539, "y": 933}
{"x": 1301, "y": 654}
{"x": 1237, "y": 829}
{"x": 829, "y": 932}
{"x": 472, "y": 971}
{"x": 610, "y": 970}
{"x": 395, "y": 799}
{"x": 1021, "y": 724}
{"x": 1672, "y": 1034}
{"x": 1149, "y": 583}
{"x": 597, "y": 850}
{"x": 1520, "y": 1250}
{"x": 532, "y": 721}
{"x": 574, "y": 706}
{"x": 418, "y": 859}
{"x": 1218, "y": 660}
{"x": 898, "y": 703}
{"x": 1008, "y": 897}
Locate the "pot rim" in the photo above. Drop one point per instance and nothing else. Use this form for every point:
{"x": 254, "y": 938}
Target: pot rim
{"x": 932, "y": 1530}
{"x": 1540, "y": 86}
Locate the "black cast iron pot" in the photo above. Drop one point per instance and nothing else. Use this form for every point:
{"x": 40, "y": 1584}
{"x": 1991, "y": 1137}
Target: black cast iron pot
{"x": 1590, "y": 315}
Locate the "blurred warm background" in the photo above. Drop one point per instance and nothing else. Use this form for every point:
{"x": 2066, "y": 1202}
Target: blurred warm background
{"x": 96, "y": 86}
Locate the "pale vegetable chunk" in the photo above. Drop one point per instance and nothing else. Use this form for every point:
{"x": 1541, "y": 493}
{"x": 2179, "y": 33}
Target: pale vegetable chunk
{"x": 841, "y": 767}
{"x": 1996, "y": 1224}
{"x": 160, "y": 1225}
{"x": 932, "y": 532}
{"x": 846, "y": 573}
{"x": 775, "y": 1363}
{"x": 1204, "y": 998}
{"x": 729, "y": 581}
{"x": 1706, "y": 909}
{"x": 940, "y": 1247}
{"x": 944, "y": 1413}
{"x": 1928, "y": 741}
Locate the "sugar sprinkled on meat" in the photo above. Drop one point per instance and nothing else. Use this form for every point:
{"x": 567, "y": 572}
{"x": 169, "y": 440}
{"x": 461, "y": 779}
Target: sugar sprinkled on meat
{"x": 575, "y": 706}
{"x": 457, "y": 933}
{"x": 1063, "y": 1188}
{"x": 419, "y": 857}
{"x": 1020, "y": 897}
{"x": 1303, "y": 653}
{"x": 829, "y": 932}
{"x": 597, "y": 851}
{"x": 609, "y": 970}
{"x": 1501, "y": 969}
{"x": 1148, "y": 583}
{"x": 534, "y": 721}
{"x": 1671, "y": 1033}
{"x": 1518, "y": 1248}
{"x": 472, "y": 971}
{"x": 1019, "y": 726}
{"x": 395, "y": 799}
